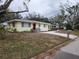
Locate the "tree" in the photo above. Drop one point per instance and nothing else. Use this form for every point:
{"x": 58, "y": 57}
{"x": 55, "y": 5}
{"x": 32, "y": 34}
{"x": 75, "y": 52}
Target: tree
{"x": 76, "y": 23}
{"x": 9, "y": 16}
{"x": 7, "y": 3}
{"x": 5, "y": 14}
{"x": 58, "y": 20}
{"x": 37, "y": 17}
{"x": 62, "y": 13}
{"x": 72, "y": 14}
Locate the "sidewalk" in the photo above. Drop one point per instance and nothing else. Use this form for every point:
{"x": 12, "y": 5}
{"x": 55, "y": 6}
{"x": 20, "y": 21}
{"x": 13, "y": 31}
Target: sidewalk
{"x": 61, "y": 34}
{"x": 71, "y": 51}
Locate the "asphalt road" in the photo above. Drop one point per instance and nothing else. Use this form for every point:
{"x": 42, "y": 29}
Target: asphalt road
{"x": 63, "y": 55}
{"x": 70, "y": 51}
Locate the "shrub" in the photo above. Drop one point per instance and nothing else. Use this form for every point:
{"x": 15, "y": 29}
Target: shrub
{"x": 14, "y": 30}
{"x": 2, "y": 32}
{"x": 68, "y": 27}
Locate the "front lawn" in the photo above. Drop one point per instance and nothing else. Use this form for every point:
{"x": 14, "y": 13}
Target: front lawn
{"x": 75, "y": 33}
{"x": 25, "y": 45}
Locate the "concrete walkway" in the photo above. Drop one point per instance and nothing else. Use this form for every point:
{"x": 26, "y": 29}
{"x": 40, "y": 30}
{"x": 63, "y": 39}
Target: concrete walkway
{"x": 71, "y": 51}
{"x": 61, "y": 34}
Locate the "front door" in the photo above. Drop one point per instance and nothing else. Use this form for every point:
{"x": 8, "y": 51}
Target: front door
{"x": 34, "y": 26}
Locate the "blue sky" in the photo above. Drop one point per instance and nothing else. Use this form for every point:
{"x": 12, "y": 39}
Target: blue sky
{"x": 43, "y": 7}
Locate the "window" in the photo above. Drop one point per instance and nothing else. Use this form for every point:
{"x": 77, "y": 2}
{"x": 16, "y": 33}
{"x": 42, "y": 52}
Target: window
{"x": 13, "y": 24}
{"x": 24, "y": 24}
{"x": 44, "y": 25}
{"x": 29, "y": 24}
{"x": 39, "y": 25}
{"x": 49, "y": 26}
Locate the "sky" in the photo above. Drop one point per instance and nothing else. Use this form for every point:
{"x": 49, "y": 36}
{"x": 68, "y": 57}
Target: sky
{"x": 43, "y": 7}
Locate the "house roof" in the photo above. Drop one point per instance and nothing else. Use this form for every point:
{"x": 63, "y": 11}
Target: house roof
{"x": 30, "y": 21}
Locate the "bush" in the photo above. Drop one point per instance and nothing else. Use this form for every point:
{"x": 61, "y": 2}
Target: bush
{"x": 76, "y": 24}
{"x": 14, "y": 30}
{"x": 2, "y": 32}
{"x": 77, "y": 27}
{"x": 68, "y": 27}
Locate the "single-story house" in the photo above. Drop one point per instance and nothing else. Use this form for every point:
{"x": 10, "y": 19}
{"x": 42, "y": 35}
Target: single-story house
{"x": 27, "y": 25}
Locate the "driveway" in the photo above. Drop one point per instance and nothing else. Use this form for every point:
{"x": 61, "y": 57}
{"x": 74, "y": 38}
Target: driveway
{"x": 71, "y": 51}
{"x": 61, "y": 34}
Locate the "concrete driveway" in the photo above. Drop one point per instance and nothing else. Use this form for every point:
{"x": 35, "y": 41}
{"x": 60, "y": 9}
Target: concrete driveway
{"x": 60, "y": 34}
{"x": 71, "y": 51}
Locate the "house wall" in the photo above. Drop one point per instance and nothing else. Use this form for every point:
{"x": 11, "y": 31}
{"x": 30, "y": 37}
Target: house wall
{"x": 18, "y": 26}
{"x": 42, "y": 28}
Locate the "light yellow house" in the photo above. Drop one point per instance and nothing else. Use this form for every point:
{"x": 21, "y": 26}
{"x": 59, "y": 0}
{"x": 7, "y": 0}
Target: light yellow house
{"x": 27, "y": 25}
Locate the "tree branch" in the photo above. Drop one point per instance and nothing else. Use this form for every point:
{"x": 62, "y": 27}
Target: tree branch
{"x": 19, "y": 11}
{"x": 5, "y": 5}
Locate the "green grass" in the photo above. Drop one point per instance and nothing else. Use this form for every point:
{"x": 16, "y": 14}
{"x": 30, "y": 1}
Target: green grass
{"x": 25, "y": 45}
{"x": 75, "y": 33}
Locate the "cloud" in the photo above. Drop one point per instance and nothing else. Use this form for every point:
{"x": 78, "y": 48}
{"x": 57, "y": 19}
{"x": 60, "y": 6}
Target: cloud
{"x": 43, "y": 7}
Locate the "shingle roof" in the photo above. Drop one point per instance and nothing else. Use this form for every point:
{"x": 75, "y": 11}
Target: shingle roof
{"x": 19, "y": 20}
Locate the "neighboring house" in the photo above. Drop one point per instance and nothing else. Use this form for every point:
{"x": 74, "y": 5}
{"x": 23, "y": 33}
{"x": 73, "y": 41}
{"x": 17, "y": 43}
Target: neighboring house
{"x": 27, "y": 25}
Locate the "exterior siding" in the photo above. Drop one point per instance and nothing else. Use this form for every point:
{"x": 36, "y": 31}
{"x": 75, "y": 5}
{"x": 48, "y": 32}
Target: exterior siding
{"x": 18, "y": 26}
{"x": 42, "y": 28}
